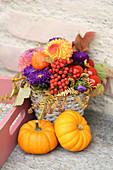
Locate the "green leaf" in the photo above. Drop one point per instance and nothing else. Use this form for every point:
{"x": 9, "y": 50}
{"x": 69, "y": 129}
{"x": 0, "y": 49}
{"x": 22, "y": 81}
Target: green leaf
{"x": 99, "y": 90}
{"x": 80, "y": 83}
{"x": 74, "y": 48}
{"x": 101, "y": 72}
{"x": 48, "y": 59}
{"x": 37, "y": 87}
{"x": 22, "y": 94}
{"x": 104, "y": 71}
{"x": 108, "y": 68}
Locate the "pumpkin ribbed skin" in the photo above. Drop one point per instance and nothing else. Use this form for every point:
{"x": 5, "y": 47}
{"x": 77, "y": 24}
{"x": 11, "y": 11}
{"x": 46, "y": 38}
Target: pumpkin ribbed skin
{"x": 37, "y": 142}
{"x": 38, "y": 60}
{"x": 67, "y": 128}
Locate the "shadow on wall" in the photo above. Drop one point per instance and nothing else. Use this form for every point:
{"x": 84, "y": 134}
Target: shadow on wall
{"x": 5, "y": 72}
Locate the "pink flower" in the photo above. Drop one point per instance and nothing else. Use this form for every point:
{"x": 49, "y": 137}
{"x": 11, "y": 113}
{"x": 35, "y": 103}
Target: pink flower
{"x": 25, "y": 59}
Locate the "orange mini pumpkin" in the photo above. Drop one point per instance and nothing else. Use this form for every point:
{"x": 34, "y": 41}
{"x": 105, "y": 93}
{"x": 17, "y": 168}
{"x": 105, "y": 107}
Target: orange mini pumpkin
{"x": 72, "y": 131}
{"x": 38, "y": 60}
{"x": 37, "y": 137}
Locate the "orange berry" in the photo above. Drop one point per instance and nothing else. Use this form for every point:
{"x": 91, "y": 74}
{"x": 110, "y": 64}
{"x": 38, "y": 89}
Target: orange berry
{"x": 38, "y": 60}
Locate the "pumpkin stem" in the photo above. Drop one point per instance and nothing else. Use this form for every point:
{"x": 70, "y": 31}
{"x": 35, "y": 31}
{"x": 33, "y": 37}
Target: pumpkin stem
{"x": 37, "y": 128}
{"x": 80, "y": 127}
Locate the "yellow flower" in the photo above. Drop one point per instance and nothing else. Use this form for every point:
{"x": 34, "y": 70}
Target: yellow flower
{"x": 59, "y": 48}
{"x": 39, "y": 75}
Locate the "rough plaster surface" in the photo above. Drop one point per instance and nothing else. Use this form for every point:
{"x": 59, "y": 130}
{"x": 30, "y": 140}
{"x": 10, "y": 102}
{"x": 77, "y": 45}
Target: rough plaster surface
{"x": 95, "y": 15}
{"x": 97, "y": 156}
{"x": 39, "y": 30}
{"x": 5, "y": 72}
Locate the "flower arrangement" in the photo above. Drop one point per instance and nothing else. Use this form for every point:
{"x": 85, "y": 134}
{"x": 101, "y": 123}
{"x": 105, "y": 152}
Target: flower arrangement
{"x": 59, "y": 70}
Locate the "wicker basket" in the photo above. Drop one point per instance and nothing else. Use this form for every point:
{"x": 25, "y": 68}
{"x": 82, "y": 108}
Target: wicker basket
{"x": 70, "y": 104}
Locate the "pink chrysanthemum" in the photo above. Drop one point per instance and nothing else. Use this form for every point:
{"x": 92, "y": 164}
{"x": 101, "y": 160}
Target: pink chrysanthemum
{"x": 25, "y": 59}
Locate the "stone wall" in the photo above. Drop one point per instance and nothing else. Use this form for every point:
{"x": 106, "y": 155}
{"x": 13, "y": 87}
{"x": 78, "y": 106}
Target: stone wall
{"x": 25, "y": 24}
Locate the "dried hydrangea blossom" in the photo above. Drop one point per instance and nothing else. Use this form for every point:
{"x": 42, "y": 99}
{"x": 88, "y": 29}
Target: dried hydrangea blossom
{"x": 25, "y": 59}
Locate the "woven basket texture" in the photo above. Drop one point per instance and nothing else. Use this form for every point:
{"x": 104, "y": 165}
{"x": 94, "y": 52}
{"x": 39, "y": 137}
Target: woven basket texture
{"x": 70, "y": 104}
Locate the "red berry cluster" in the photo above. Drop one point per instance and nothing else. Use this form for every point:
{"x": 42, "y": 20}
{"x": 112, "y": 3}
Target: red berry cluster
{"x": 59, "y": 78}
{"x": 75, "y": 71}
{"x": 92, "y": 72}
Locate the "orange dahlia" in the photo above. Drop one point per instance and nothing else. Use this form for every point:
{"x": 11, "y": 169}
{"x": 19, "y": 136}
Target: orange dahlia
{"x": 59, "y": 48}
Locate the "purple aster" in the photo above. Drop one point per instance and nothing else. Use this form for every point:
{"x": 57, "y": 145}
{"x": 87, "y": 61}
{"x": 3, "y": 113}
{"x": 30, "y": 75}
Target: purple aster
{"x": 39, "y": 77}
{"x": 79, "y": 57}
{"x": 55, "y": 38}
{"x": 28, "y": 70}
{"x": 81, "y": 88}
